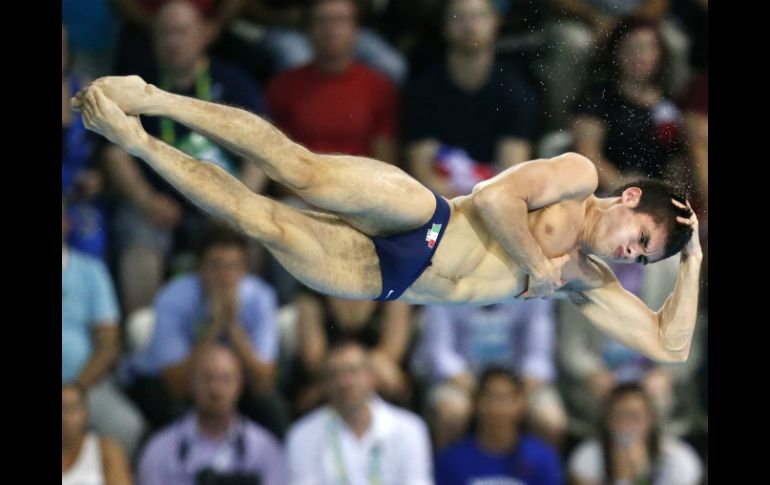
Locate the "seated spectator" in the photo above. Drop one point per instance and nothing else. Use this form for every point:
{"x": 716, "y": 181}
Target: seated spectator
{"x": 90, "y": 344}
{"x": 86, "y": 457}
{"x": 154, "y": 224}
{"x": 334, "y": 103}
{"x": 497, "y": 451}
{"x": 218, "y": 303}
{"x": 625, "y": 122}
{"x": 469, "y": 115}
{"x": 138, "y": 19}
{"x": 285, "y": 46}
{"x": 357, "y": 437}
{"x": 93, "y": 28}
{"x": 630, "y": 447}
{"x": 383, "y": 328}
{"x": 213, "y": 444}
{"x": 577, "y": 30}
{"x": 81, "y": 177}
{"x": 458, "y": 342}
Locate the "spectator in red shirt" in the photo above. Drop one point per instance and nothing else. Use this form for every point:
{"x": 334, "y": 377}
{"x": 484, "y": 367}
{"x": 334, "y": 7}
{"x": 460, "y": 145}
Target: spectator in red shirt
{"x": 336, "y": 104}
{"x": 333, "y": 104}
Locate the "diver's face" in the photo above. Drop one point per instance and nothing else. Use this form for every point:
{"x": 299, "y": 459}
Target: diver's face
{"x": 636, "y": 239}
{"x": 625, "y": 236}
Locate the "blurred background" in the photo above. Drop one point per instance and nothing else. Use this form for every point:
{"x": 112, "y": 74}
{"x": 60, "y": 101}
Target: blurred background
{"x": 189, "y": 356}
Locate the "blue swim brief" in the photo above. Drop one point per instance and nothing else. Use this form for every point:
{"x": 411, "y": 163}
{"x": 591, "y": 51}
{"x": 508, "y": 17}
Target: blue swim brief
{"x": 404, "y": 257}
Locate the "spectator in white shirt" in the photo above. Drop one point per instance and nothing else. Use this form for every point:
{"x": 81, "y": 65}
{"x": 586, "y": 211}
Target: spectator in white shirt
{"x": 630, "y": 448}
{"x": 357, "y": 438}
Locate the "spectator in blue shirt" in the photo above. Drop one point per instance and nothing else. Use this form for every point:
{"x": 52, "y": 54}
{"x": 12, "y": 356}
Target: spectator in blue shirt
{"x": 90, "y": 343}
{"x": 498, "y": 452}
{"x": 222, "y": 303}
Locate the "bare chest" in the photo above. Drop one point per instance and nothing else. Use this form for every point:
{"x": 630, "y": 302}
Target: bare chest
{"x": 557, "y": 227}
{"x": 475, "y": 267}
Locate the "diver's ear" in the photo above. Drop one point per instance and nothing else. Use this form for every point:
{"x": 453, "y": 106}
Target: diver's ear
{"x": 631, "y": 197}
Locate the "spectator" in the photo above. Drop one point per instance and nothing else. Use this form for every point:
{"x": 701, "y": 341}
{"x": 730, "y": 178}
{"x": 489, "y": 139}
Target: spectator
{"x": 286, "y": 46}
{"x": 213, "y": 444}
{"x": 335, "y": 104}
{"x": 625, "y": 123}
{"x": 153, "y": 221}
{"x": 138, "y": 21}
{"x": 90, "y": 344}
{"x": 471, "y": 114}
{"x": 383, "y": 328}
{"x": 93, "y": 27}
{"x": 86, "y": 457}
{"x": 577, "y": 30}
{"x": 218, "y": 303}
{"x": 357, "y": 437}
{"x": 459, "y": 342}
{"x": 81, "y": 179}
{"x": 630, "y": 448}
{"x": 498, "y": 452}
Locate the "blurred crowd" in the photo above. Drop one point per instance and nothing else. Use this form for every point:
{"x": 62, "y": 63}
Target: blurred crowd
{"x": 189, "y": 356}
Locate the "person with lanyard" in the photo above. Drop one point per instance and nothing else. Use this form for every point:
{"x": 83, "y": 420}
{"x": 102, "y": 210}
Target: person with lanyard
{"x": 152, "y": 220}
{"x": 357, "y": 438}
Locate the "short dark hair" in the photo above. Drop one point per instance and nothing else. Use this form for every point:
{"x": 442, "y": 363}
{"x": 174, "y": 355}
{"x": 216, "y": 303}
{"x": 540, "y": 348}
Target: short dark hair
{"x": 656, "y": 201}
{"x": 219, "y": 235}
{"x": 341, "y": 344}
{"x": 494, "y": 371}
{"x": 311, "y": 5}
